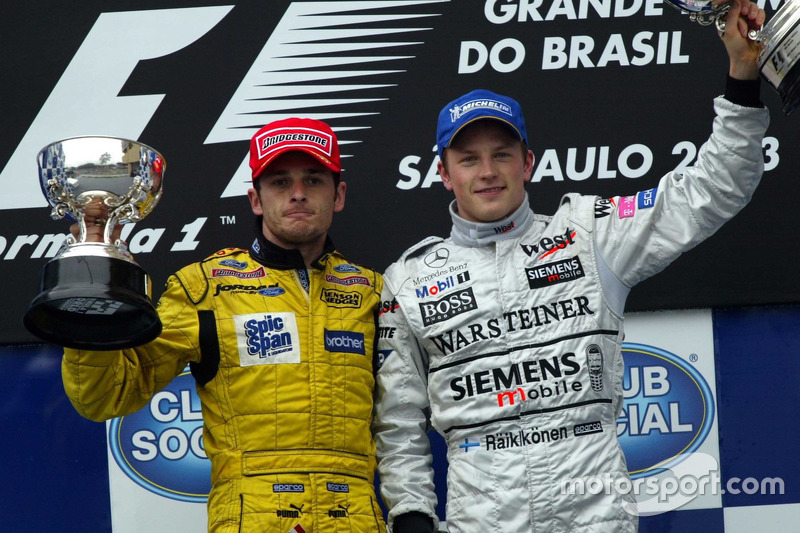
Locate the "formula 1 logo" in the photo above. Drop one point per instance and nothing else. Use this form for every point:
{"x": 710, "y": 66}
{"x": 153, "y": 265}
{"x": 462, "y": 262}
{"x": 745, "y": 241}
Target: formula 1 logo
{"x": 119, "y": 41}
{"x": 668, "y": 410}
{"x": 160, "y": 447}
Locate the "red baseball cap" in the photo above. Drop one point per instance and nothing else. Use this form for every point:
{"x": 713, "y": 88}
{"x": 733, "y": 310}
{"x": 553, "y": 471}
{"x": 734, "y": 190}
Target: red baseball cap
{"x": 303, "y": 134}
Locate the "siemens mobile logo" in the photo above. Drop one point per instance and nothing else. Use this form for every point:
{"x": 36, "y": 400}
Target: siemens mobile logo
{"x": 554, "y": 273}
{"x": 160, "y": 447}
{"x": 668, "y": 409}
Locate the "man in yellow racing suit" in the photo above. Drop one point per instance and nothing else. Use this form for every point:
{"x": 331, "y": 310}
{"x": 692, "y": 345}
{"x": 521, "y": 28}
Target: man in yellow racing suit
{"x": 281, "y": 341}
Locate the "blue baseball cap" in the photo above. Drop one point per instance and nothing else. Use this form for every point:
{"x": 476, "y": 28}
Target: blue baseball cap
{"x": 478, "y": 105}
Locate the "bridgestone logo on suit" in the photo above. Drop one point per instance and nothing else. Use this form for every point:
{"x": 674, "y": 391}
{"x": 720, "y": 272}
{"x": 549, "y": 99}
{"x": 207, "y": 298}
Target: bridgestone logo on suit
{"x": 447, "y": 307}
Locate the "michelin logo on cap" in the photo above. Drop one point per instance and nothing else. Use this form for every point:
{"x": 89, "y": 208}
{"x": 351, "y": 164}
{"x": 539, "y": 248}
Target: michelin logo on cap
{"x": 458, "y": 111}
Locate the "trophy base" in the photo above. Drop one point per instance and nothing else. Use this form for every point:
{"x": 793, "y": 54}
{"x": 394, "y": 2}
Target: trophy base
{"x": 93, "y": 303}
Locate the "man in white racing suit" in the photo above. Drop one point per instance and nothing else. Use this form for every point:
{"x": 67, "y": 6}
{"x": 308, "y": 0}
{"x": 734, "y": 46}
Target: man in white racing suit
{"x": 506, "y": 336}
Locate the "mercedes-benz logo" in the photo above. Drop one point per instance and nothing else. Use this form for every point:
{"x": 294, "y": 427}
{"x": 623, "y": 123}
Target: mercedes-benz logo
{"x": 437, "y": 258}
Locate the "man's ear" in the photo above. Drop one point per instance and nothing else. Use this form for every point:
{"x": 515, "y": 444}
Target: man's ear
{"x": 448, "y": 184}
{"x": 255, "y": 202}
{"x": 338, "y": 199}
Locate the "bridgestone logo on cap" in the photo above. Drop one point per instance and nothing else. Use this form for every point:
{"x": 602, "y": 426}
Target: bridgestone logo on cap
{"x": 281, "y": 138}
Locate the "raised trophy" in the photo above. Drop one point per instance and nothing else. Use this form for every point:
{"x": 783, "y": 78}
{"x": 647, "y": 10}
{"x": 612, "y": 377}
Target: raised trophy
{"x": 780, "y": 36}
{"x": 93, "y": 295}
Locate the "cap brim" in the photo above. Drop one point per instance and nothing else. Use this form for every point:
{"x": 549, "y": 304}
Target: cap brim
{"x": 330, "y": 165}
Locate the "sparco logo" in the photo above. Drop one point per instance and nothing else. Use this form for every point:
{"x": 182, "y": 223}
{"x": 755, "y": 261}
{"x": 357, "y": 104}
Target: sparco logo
{"x": 554, "y": 273}
{"x": 447, "y": 307}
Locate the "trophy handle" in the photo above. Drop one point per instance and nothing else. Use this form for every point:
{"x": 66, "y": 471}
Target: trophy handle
{"x": 719, "y": 22}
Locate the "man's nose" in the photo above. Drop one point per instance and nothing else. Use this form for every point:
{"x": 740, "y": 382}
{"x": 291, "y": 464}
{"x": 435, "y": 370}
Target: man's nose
{"x": 299, "y": 192}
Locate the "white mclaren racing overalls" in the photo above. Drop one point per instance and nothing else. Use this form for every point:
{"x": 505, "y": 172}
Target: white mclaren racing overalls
{"x": 506, "y": 338}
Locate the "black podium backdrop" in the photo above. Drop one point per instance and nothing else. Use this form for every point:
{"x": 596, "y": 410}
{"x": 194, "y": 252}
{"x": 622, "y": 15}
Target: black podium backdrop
{"x": 616, "y": 93}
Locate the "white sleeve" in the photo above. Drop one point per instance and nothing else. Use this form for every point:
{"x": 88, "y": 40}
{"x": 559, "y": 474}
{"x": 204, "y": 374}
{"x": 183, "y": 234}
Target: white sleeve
{"x": 402, "y": 413}
{"x": 638, "y": 236}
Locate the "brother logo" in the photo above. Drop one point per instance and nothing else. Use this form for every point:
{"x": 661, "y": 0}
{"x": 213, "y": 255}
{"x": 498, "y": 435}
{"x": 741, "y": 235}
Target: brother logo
{"x": 345, "y": 341}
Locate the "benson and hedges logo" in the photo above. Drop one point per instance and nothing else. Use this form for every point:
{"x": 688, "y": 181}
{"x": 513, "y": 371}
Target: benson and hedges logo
{"x": 160, "y": 447}
{"x": 668, "y": 412}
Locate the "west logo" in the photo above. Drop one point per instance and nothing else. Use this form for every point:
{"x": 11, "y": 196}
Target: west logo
{"x": 447, "y": 307}
{"x": 547, "y": 246}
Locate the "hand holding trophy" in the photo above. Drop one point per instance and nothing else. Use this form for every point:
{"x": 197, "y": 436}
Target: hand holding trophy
{"x": 779, "y": 37}
{"x": 93, "y": 295}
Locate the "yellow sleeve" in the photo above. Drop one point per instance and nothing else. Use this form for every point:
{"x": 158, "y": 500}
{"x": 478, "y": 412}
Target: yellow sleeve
{"x": 107, "y": 384}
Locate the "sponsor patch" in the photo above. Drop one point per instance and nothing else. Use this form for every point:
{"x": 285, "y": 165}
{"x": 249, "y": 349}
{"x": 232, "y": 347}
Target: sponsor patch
{"x": 338, "y": 487}
{"x": 279, "y": 138}
{"x": 344, "y": 341}
{"x": 439, "y": 286}
{"x": 549, "y": 245}
{"x": 505, "y": 228}
{"x": 388, "y": 307}
{"x": 227, "y": 272}
{"x": 344, "y": 269}
{"x": 456, "y": 112}
{"x": 336, "y": 298}
{"x": 272, "y": 290}
{"x": 233, "y": 263}
{"x": 348, "y": 281}
{"x": 447, "y": 307}
{"x": 588, "y": 428}
{"x": 647, "y": 199}
{"x": 603, "y": 207}
{"x": 437, "y": 258}
{"x": 627, "y": 206}
{"x": 288, "y": 487}
{"x": 267, "y": 338}
{"x": 555, "y": 273}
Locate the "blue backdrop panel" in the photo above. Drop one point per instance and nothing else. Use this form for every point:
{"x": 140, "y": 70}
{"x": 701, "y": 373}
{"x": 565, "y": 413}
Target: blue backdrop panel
{"x": 55, "y": 467}
{"x": 758, "y": 390}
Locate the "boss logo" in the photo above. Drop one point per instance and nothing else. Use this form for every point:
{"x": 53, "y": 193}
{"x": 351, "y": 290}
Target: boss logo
{"x": 447, "y": 307}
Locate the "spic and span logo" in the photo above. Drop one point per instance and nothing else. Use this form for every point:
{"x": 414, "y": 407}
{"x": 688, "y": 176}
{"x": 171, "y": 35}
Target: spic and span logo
{"x": 160, "y": 447}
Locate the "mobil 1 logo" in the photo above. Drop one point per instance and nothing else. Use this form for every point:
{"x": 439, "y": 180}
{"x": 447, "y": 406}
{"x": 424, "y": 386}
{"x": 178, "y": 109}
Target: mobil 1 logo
{"x": 447, "y": 307}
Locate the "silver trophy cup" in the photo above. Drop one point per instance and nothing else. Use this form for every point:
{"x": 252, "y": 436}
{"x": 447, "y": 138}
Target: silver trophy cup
{"x": 780, "y": 37}
{"x": 778, "y": 60}
{"x": 93, "y": 295}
